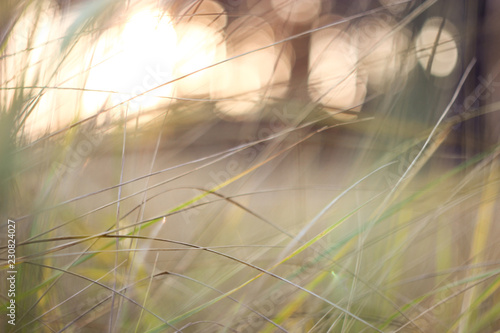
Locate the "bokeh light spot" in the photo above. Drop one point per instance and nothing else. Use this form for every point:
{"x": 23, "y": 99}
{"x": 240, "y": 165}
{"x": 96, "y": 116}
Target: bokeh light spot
{"x": 436, "y": 43}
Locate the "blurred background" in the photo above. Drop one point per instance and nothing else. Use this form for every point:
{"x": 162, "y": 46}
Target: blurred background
{"x": 250, "y": 165}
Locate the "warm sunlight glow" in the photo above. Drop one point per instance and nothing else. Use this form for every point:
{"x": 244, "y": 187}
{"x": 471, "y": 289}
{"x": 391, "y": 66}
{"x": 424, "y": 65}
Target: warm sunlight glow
{"x": 199, "y": 47}
{"x": 49, "y": 73}
{"x": 136, "y": 61}
{"x": 333, "y": 77}
{"x": 33, "y": 31}
{"x": 385, "y": 54}
{"x": 297, "y": 11}
{"x": 252, "y": 76}
{"x": 250, "y": 166}
{"x": 207, "y": 13}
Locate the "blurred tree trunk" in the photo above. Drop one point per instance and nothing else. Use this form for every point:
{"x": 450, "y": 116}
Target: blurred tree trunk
{"x": 490, "y": 57}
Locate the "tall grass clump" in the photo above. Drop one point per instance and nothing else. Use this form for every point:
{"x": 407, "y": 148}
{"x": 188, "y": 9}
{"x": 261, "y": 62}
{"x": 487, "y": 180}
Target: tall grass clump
{"x": 249, "y": 166}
